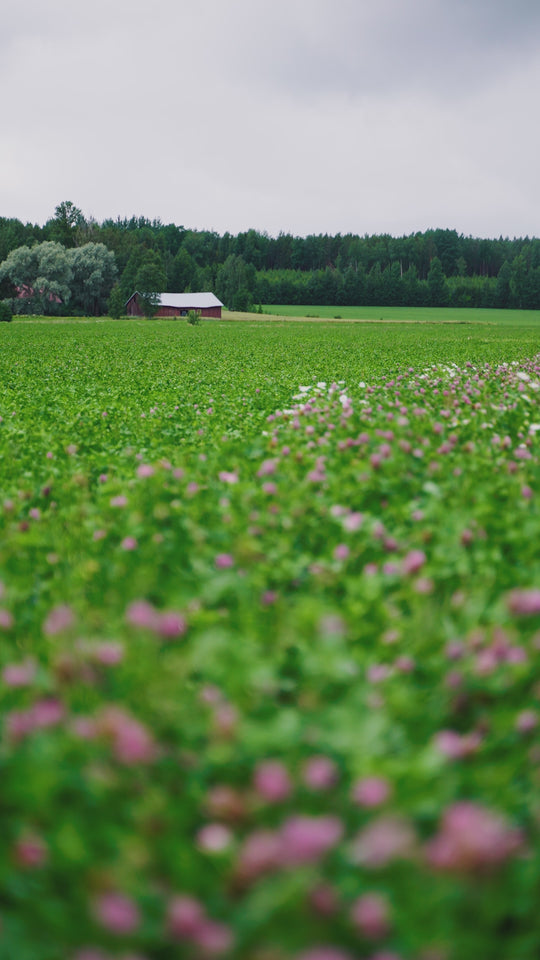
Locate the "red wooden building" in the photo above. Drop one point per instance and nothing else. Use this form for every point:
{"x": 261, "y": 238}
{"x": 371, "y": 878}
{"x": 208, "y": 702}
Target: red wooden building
{"x": 178, "y": 305}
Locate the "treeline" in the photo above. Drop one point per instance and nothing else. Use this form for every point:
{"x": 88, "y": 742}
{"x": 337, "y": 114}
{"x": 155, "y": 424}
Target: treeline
{"x": 437, "y": 267}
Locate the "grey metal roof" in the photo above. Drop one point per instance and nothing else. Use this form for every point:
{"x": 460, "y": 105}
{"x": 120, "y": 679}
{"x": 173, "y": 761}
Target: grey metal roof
{"x": 198, "y": 301}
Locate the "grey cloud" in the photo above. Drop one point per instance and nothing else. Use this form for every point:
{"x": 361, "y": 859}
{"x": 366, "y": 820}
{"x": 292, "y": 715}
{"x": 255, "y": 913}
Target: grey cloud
{"x": 358, "y": 47}
{"x": 306, "y": 115}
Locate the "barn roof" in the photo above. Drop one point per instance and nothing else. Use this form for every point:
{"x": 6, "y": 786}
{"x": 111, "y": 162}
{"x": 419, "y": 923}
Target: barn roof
{"x": 185, "y": 300}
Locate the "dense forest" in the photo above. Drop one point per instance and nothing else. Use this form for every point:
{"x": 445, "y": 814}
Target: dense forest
{"x": 438, "y": 267}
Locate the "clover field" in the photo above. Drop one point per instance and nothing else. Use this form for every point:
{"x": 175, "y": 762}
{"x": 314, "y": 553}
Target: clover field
{"x": 269, "y": 641}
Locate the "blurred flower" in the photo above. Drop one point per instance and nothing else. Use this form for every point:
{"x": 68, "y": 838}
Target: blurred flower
{"x": 383, "y": 840}
{"x": 455, "y": 745}
{"x": 371, "y": 791}
{"x": 272, "y": 781}
{"x": 526, "y": 721}
{"x": 42, "y": 715}
{"x": 353, "y": 521}
{"x": 59, "y": 619}
{"x": 371, "y": 915}
{"x": 131, "y": 741}
{"x": 214, "y": 838}
{"x": 171, "y": 624}
{"x": 259, "y": 854}
{"x": 305, "y": 839}
{"x": 320, "y": 773}
{"x": 31, "y": 851}
{"x": 267, "y": 468}
{"x": 117, "y": 913}
{"x": 140, "y": 613}
{"x": 145, "y": 470}
{"x": 213, "y": 938}
{"x": 414, "y": 561}
{"x": 187, "y": 920}
{"x": 19, "y": 674}
{"x": 228, "y": 476}
{"x": 472, "y": 838}
{"x": 185, "y": 916}
{"x": 225, "y": 719}
{"x": 377, "y": 672}
{"x": 108, "y": 653}
{"x": 524, "y": 602}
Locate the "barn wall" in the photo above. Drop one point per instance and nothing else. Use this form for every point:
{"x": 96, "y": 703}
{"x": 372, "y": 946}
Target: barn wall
{"x": 134, "y": 310}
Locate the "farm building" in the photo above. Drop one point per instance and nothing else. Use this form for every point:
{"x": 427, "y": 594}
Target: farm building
{"x": 178, "y": 305}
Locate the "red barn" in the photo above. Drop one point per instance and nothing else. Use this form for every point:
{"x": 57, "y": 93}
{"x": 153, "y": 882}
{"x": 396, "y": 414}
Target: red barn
{"x": 178, "y": 304}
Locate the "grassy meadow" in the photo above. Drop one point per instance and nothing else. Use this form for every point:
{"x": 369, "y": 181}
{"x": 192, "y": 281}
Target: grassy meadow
{"x": 270, "y": 638}
{"x": 520, "y": 318}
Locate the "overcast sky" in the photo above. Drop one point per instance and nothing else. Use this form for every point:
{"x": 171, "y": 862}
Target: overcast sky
{"x": 308, "y": 116}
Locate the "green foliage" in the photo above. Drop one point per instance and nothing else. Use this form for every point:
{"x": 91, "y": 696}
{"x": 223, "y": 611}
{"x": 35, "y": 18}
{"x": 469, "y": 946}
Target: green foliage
{"x": 116, "y": 304}
{"x": 193, "y": 317}
{"x": 151, "y": 276}
{"x": 278, "y": 542}
{"x": 347, "y": 270}
{"x": 242, "y": 300}
{"x": 67, "y": 222}
{"x": 150, "y": 281}
{"x": 234, "y": 281}
{"x": 6, "y": 313}
{"x": 94, "y": 272}
{"x": 182, "y": 275}
{"x": 204, "y": 568}
{"x": 438, "y": 290}
{"x": 44, "y": 274}
{"x": 51, "y": 276}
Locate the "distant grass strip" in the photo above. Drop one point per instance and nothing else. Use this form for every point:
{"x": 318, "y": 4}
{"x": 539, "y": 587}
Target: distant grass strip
{"x": 424, "y": 314}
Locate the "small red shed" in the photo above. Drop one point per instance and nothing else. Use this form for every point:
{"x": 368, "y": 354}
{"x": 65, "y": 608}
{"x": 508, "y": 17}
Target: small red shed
{"x": 178, "y": 305}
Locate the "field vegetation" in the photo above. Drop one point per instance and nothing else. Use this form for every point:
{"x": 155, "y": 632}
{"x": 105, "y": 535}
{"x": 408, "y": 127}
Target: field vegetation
{"x": 269, "y": 640}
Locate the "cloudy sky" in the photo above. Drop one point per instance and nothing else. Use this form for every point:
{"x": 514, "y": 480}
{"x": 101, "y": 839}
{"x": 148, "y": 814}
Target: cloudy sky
{"x": 308, "y": 116}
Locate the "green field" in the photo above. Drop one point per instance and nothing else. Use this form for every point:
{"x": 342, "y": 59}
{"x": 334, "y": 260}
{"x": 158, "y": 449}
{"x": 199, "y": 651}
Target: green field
{"x": 270, "y": 639}
{"x": 407, "y": 314}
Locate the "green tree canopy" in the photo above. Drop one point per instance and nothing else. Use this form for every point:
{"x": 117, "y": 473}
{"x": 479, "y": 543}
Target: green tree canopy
{"x": 116, "y": 304}
{"x": 232, "y": 277}
{"x": 436, "y": 279}
{"x": 94, "y": 273}
{"x": 42, "y": 275}
{"x": 183, "y": 272}
{"x": 150, "y": 281}
{"x": 65, "y": 224}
